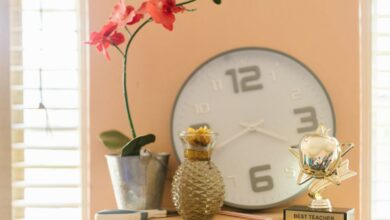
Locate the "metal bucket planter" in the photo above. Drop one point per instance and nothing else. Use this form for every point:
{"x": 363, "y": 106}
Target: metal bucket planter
{"x": 138, "y": 182}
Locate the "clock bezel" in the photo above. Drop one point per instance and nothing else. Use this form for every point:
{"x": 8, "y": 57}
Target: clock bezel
{"x": 333, "y": 131}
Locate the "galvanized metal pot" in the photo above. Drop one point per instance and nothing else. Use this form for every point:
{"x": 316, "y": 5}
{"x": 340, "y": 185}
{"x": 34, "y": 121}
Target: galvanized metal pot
{"x": 138, "y": 182}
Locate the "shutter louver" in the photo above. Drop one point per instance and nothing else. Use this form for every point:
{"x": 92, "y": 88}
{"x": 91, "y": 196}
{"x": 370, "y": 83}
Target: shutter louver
{"x": 46, "y": 124}
{"x": 380, "y": 109}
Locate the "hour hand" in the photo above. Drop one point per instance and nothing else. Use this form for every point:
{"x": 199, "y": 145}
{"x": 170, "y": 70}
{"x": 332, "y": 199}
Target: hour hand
{"x": 232, "y": 138}
{"x": 237, "y": 135}
{"x": 263, "y": 131}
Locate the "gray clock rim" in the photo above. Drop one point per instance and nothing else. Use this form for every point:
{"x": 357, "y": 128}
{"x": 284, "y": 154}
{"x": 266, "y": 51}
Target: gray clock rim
{"x": 246, "y": 207}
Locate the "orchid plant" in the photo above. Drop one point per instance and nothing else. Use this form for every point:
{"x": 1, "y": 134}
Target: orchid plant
{"x": 123, "y": 18}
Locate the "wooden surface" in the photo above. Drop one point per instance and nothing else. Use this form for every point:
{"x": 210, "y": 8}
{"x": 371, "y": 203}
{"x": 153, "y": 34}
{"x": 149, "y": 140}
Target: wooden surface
{"x": 223, "y": 217}
{"x": 218, "y": 217}
{"x": 272, "y": 214}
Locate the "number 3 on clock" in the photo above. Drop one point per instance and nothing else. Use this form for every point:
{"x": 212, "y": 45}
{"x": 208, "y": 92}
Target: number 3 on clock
{"x": 248, "y": 82}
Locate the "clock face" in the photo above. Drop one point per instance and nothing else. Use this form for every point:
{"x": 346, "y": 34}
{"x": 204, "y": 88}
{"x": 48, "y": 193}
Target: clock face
{"x": 260, "y": 102}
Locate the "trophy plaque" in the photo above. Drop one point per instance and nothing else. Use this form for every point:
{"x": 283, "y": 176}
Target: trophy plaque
{"x": 321, "y": 160}
{"x": 306, "y": 213}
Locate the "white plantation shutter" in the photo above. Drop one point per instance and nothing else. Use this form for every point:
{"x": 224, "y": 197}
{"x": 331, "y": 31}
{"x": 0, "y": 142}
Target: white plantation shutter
{"x": 381, "y": 110}
{"x": 5, "y": 134}
{"x": 46, "y": 114}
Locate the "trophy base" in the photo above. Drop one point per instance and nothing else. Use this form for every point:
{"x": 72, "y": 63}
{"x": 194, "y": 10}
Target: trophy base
{"x": 306, "y": 213}
{"x": 320, "y": 204}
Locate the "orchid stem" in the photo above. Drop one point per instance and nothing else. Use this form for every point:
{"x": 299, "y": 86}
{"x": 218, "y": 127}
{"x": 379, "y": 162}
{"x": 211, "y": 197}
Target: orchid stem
{"x": 134, "y": 134}
{"x": 128, "y": 31}
{"x": 190, "y": 10}
{"x": 125, "y": 55}
{"x": 184, "y": 3}
{"x": 119, "y": 49}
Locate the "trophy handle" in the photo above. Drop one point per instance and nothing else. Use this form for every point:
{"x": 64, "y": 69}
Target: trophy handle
{"x": 303, "y": 178}
{"x": 348, "y": 146}
{"x": 335, "y": 179}
{"x": 294, "y": 151}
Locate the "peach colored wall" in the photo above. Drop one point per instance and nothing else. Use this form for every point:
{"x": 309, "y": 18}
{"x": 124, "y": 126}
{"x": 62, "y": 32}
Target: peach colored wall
{"x": 322, "y": 34}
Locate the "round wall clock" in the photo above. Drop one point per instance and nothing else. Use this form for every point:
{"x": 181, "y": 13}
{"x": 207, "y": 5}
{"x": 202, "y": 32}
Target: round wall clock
{"x": 260, "y": 102}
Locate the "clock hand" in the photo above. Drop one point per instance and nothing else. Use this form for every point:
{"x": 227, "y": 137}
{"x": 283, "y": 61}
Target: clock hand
{"x": 255, "y": 127}
{"x": 258, "y": 123}
{"x": 232, "y": 138}
{"x": 239, "y": 134}
{"x": 271, "y": 134}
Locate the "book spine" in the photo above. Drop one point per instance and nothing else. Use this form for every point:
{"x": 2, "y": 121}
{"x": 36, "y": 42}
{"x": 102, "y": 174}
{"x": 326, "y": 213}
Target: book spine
{"x": 132, "y": 216}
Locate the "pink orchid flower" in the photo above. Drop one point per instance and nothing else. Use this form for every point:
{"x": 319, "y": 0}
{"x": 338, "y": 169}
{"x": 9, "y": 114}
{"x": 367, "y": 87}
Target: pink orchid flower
{"x": 107, "y": 36}
{"x": 162, "y": 11}
{"x": 123, "y": 14}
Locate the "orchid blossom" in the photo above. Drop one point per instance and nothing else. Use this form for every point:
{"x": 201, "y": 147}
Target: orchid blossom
{"x": 123, "y": 14}
{"x": 106, "y": 37}
{"x": 160, "y": 11}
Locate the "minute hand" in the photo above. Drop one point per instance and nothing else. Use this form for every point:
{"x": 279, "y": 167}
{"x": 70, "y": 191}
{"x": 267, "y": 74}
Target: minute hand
{"x": 271, "y": 134}
{"x": 239, "y": 134}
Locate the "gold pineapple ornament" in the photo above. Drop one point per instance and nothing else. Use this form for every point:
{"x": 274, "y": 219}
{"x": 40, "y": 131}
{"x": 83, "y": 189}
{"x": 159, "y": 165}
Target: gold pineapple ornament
{"x": 198, "y": 190}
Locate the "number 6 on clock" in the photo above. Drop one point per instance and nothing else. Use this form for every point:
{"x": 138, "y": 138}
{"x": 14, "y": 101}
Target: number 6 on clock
{"x": 260, "y": 183}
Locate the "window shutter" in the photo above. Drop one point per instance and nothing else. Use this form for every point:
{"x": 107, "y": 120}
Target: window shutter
{"x": 381, "y": 109}
{"x": 46, "y": 115}
{"x": 5, "y": 134}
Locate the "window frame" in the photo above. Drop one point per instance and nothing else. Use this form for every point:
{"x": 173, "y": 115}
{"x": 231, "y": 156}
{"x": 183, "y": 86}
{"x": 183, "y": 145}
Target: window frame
{"x": 5, "y": 114}
{"x": 84, "y": 109}
{"x": 366, "y": 109}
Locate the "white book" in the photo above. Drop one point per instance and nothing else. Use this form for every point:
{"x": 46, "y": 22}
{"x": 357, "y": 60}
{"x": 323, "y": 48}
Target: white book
{"x": 129, "y": 214}
{"x": 121, "y": 215}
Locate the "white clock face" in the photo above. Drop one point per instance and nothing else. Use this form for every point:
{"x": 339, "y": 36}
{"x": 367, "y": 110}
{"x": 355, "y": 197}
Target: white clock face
{"x": 260, "y": 102}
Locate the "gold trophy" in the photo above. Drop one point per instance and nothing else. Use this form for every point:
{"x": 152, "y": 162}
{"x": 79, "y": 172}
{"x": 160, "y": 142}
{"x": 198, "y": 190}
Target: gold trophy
{"x": 321, "y": 160}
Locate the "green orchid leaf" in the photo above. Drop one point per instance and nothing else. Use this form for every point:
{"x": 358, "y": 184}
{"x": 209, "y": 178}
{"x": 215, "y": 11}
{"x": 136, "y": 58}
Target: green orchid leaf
{"x": 218, "y": 2}
{"x": 133, "y": 147}
{"x": 113, "y": 139}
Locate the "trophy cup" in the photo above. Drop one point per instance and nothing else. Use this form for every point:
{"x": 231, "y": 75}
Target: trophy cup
{"x": 321, "y": 160}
